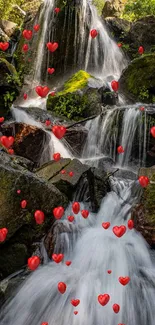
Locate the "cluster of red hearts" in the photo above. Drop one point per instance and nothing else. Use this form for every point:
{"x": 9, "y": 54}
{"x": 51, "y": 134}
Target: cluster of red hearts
{"x": 7, "y": 142}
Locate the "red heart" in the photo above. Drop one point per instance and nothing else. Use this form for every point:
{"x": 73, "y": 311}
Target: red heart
{"x": 39, "y": 217}
{"x": 52, "y": 93}
{"x": 76, "y": 207}
{"x": 141, "y": 50}
{"x": 152, "y": 131}
{"x": 109, "y": 271}
{"x": 18, "y": 191}
{"x": 68, "y": 263}
{"x": 36, "y": 27}
{"x": 7, "y": 141}
{"x": 50, "y": 70}
{"x": 42, "y": 91}
{"x": 85, "y": 214}
{"x": 119, "y": 231}
{"x": 120, "y": 149}
{"x": 56, "y": 156}
{"x": 130, "y": 224}
{"x": 58, "y": 212}
{"x": 27, "y": 34}
{"x": 3, "y": 234}
{"x": 23, "y": 204}
{"x": 25, "y": 96}
{"x": 105, "y": 225}
{"x": 75, "y": 302}
{"x": 93, "y": 33}
{"x": 1, "y": 119}
{"x": 75, "y": 312}
{"x": 44, "y": 323}
{"x": 62, "y": 287}
{"x": 124, "y": 280}
{"x": 142, "y": 108}
{"x": 33, "y": 262}
{"x": 119, "y": 44}
{"x": 59, "y": 131}
{"x": 63, "y": 172}
{"x": 52, "y": 47}
{"x": 25, "y": 48}
{"x": 70, "y": 218}
{"x": 103, "y": 299}
{"x": 4, "y": 46}
{"x": 47, "y": 122}
{"x": 57, "y": 258}
{"x": 70, "y": 174}
{"x": 11, "y": 151}
{"x": 116, "y": 308}
{"x": 57, "y": 10}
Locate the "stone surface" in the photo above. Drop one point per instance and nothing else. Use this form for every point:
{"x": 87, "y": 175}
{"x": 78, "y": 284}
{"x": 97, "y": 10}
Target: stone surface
{"x": 31, "y": 142}
{"x": 113, "y": 8}
{"x": 8, "y": 27}
{"x": 138, "y": 79}
{"x": 142, "y": 32}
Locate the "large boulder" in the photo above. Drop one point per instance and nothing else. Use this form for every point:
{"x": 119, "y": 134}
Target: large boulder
{"x": 31, "y": 142}
{"x": 144, "y": 213}
{"x": 118, "y": 27}
{"x": 138, "y": 79}
{"x": 22, "y": 228}
{"x": 77, "y": 100}
{"x": 113, "y": 8}
{"x": 8, "y": 27}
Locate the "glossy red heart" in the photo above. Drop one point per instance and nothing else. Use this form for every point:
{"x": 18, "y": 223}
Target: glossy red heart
{"x": 59, "y": 131}
{"x": 57, "y": 258}
{"x": 70, "y": 218}
{"x": 85, "y": 214}
{"x": 25, "y": 96}
{"x": 18, "y": 191}
{"x": 71, "y": 174}
{"x": 142, "y": 108}
{"x": 1, "y": 119}
{"x": 68, "y": 263}
{"x": 115, "y": 85}
{"x": 25, "y": 48}
{"x": 7, "y": 141}
{"x": 33, "y": 262}
{"x": 63, "y": 172}
{"x": 119, "y": 231}
{"x": 109, "y": 271}
{"x": 52, "y": 93}
{"x": 103, "y": 299}
{"x": 58, "y": 212}
{"x": 105, "y": 225}
{"x": 52, "y": 47}
{"x": 124, "y": 280}
{"x": 3, "y": 234}
{"x": 62, "y": 287}
{"x": 42, "y": 91}
{"x": 152, "y": 131}
{"x": 76, "y": 207}
{"x": 75, "y": 312}
{"x": 44, "y": 323}
{"x": 130, "y": 224}
{"x": 36, "y": 27}
{"x": 23, "y": 204}
{"x": 47, "y": 122}
{"x": 4, "y": 46}
{"x": 11, "y": 151}
{"x": 50, "y": 70}
{"x": 141, "y": 50}
{"x": 119, "y": 44}
{"x": 144, "y": 181}
{"x": 116, "y": 308}
{"x": 120, "y": 149}
{"x": 27, "y": 34}
{"x": 56, "y": 156}
{"x": 57, "y": 10}
{"x": 39, "y": 217}
{"x": 93, "y": 33}
{"x": 75, "y": 302}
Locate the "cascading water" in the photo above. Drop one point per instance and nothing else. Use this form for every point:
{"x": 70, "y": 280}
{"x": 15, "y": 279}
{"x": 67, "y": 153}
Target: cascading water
{"x": 92, "y": 251}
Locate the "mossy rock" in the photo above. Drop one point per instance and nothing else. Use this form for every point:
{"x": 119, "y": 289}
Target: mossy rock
{"x": 76, "y": 100}
{"x": 150, "y": 201}
{"x": 138, "y": 80}
{"x": 12, "y": 258}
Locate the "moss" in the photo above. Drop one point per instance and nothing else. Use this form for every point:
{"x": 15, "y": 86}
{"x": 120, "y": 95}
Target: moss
{"x": 139, "y": 78}
{"x": 10, "y": 67}
{"x": 78, "y": 81}
{"x": 150, "y": 201}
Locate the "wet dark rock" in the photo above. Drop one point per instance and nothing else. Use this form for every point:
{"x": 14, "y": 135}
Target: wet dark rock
{"x": 118, "y": 27}
{"x": 107, "y": 97}
{"x": 31, "y": 142}
{"x": 14, "y": 160}
{"x": 76, "y": 138}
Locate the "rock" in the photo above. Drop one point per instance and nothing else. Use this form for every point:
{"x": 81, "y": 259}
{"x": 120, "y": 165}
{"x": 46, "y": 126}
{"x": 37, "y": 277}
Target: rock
{"x": 138, "y": 79}
{"x": 3, "y": 36}
{"x": 144, "y": 213}
{"x": 77, "y": 100}
{"x": 8, "y": 27}
{"x": 9, "y": 86}
{"x": 118, "y": 27}
{"x": 76, "y": 138}
{"x": 40, "y": 195}
{"x": 92, "y": 182}
{"x": 16, "y": 160}
{"x": 107, "y": 97}
{"x": 113, "y": 8}
{"x": 30, "y": 142}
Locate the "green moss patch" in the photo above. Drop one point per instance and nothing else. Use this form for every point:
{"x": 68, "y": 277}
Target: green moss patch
{"x": 78, "y": 81}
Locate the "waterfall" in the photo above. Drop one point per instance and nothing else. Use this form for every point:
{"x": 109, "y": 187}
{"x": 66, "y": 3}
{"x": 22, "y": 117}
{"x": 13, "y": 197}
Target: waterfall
{"x": 93, "y": 251}
{"x": 125, "y": 126}
{"x": 55, "y": 145}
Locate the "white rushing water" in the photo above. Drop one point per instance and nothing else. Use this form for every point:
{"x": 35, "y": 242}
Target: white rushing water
{"x": 92, "y": 250}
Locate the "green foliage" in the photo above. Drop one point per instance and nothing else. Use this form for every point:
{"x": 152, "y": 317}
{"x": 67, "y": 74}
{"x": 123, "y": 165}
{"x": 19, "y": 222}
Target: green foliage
{"x": 144, "y": 93}
{"x": 78, "y": 81}
{"x": 99, "y": 4}
{"x": 9, "y": 97}
{"x": 71, "y": 106}
{"x": 135, "y": 9}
